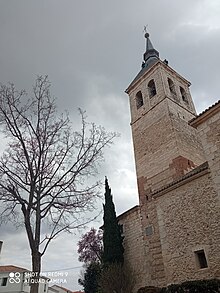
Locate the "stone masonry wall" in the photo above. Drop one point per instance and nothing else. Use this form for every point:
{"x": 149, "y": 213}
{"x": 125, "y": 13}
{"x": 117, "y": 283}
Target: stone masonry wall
{"x": 163, "y": 141}
{"x": 150, "y": 138}
{"x": 162, "y": 235}
{"x": 209, "y": 132}
{"x": 187, "y": 138}
{"x": 152, "y": 246}
{"x": 133, "y": 243}
{"x": 188, "y": 219}
{"x": 161, "y": 137}
{"x": 178, "y": 216}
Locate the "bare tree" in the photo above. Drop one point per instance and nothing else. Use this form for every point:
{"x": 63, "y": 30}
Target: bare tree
{"x": 46, "y": 168}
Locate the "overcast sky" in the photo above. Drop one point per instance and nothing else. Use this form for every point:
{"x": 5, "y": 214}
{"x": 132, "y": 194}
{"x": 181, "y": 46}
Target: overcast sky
{"x": 91, "y": 50}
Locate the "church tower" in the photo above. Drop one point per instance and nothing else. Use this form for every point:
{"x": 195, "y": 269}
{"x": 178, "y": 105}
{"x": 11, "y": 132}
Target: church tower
{"x": 173, "y": 235}
{"x": 165, "y": 146}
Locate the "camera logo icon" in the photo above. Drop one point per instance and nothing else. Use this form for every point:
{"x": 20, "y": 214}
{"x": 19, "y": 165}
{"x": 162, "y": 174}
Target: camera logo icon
{"x": 14, "y": 278}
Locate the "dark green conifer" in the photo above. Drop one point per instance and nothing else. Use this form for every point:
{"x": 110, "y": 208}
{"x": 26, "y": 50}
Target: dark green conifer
{"x": 112, "y": 239}
{"x": 91, "y": 278}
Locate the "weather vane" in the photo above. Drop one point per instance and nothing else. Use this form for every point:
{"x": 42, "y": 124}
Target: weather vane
{"x": 145, "y": 28}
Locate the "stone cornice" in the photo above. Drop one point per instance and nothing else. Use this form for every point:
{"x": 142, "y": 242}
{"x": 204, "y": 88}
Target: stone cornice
{"x": 197, "y": 172}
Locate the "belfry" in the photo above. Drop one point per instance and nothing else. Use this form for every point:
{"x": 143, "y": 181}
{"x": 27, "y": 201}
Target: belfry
{"x": 165, "y": 146}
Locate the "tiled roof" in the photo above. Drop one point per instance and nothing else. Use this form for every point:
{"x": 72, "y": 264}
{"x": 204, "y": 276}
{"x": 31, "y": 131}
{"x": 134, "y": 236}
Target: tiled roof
{"x": 131, "y": 210}
{"x": 11, "y": 268}
{"x": 210, "y": 109}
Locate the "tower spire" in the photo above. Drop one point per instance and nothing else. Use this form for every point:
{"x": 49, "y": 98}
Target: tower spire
{"x": 151, "y": 55}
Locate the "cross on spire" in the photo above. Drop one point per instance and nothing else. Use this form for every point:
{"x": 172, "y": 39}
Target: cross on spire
{"x": 145, "y": 28}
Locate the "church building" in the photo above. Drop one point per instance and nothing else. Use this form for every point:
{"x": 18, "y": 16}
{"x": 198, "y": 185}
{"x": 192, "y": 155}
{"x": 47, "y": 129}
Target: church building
{"x": 173, "y": 235}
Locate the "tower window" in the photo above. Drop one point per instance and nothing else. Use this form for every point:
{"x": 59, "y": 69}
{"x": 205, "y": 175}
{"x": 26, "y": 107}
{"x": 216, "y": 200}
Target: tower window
{"x": 139, "y": 100}
{"x": 171, "y": 86}
{"x": 183, "y": 95}
{"x": 149, "y": 230}
{"x": 152, "y": 88}
{"x": 201, "y": 259}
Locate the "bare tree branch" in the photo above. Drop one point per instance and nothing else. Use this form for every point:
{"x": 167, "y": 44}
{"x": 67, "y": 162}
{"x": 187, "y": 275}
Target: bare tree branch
{"x": 47, "y": 169}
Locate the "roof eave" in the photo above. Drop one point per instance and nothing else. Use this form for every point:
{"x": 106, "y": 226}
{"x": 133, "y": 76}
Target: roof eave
{"x": 202, "y": 117}
{"x": 136, "y": 80}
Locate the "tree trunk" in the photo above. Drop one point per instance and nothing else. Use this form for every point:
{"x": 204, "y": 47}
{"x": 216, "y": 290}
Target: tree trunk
{"x": 36, "y": 268}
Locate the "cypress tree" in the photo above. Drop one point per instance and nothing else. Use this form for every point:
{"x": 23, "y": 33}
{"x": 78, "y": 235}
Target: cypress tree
{"x": 91, "y": 278}
{"x": 112, "y": 239}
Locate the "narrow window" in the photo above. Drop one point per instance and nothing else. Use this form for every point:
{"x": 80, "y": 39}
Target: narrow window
{"x": 183, "y": 94}
{"x": 201, "y": 259}
{"x": 3, "y": 281}
{"x": 139, "y": 100}
{"x": 171, "y": 86}
{"x": 152, "y": 88}
{"x": 149, "y": 230}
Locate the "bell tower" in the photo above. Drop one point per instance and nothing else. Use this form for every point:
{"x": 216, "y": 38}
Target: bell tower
{"x": 165, "y": 146}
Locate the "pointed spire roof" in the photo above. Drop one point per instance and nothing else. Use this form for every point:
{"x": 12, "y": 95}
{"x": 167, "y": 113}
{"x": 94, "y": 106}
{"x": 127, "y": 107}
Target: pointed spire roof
{"x": 151, "y": 56}
{"x": 149, "y": 45}
{"x": 150, "y": 53}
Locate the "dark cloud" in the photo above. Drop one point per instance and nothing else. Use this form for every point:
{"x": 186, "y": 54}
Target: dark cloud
{"x": 91, "y": 50}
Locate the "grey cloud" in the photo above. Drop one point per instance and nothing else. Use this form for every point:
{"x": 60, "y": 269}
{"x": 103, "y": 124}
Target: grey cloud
{"x": 91, "y": 50}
